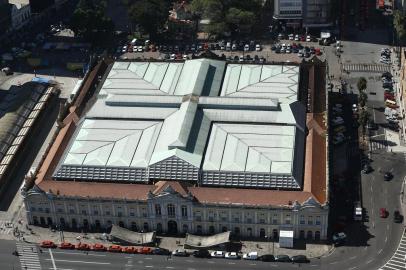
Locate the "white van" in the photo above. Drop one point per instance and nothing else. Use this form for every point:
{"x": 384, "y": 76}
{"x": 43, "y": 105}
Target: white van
{"x": 357, "y": 211}
{"x": 250, "y": 256}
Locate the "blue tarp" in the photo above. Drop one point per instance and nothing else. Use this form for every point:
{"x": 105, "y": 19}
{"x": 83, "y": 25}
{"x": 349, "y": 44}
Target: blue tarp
{"x": 40, "y": 80}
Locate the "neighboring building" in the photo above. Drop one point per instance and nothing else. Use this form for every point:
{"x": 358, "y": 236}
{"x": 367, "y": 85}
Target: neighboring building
{"x": 289, "y": 11}
{"x": 303, "y": 13}
{"x": 400, "y": 88}
{"x": 20, "y": 13}
{"x": 200, "y": 146}
{"x": 180, "y": 21}
{"x": 5, "y": 17}
{"x": 39, "y": 6}
{"x": 316, "y": 13}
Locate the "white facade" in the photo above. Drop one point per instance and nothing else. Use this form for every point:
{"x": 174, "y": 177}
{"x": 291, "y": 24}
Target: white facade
{"x": 20, "y": 14}
{"x": 288, "y": 9}
{"x": 169, "y": 211}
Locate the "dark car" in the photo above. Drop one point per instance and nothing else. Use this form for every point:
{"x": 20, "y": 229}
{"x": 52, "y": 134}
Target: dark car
{"x": 267, "y": 258}
{"x": 282, "y": 258}
{"x": 299, "y": 259}
{"x": 372, "y": 126}
{"x": 202, "y": 253}
{"x": 388, "y": 176}
{"x": 366, "y": 169}
{"x": 180, "y": 253}
{"x": 161, "y": 251}
{"x": 397, "y": 217}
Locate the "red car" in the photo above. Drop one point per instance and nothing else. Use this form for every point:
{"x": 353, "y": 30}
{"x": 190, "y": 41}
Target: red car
{"x": 47, "y": 244}
{"x": 82, "y": 246}
{"x": 130, "y": 250}
{"x": 389, "y": 96}
{"x": 383, "y": 213}
{"x": 145, "y": 250}
{"x": 114, "y": 248}
{"x": 98, "y": 247}
{"x": 66, "y": 245}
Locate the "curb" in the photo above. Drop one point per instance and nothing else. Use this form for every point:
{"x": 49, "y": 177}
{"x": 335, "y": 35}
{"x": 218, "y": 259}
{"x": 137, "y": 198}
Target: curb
{"x": 328, "y": 253}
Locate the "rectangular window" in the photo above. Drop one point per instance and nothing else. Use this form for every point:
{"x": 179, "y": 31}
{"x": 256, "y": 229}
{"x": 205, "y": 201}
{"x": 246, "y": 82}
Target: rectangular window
{"x": 318, "y": 220}
{"x": 33, "y": 208}
{"x": 302, "y": 220}
{"x": 184, "y": 211}
{"x": 132, "y": 214}
{"x": 95, "y": 212}
{"x": 83, "y": 212}
{"x": 262, "y": 221}
{"x": 249, "y": 220}
{"x": 157, "y": 210}
{"x": 107, "y": 213}
{"x": 119, "y": 214}
{"x": 47, "y": 210}
{"x": 71, "y": 211}
{"x": 60, "y": 210}
{"x": 310, "y": 220}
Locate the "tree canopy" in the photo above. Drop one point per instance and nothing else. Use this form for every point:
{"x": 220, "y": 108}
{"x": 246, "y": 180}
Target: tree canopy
{"x": 399, "y": 20}
{"x": 150, "y": 15}
{"x": 237, "y": 16}
{"x": 362, "y": 84}
{"x": 90, "y": 21}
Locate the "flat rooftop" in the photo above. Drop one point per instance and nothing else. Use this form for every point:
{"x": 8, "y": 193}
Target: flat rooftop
{"x": 201, "y": 120}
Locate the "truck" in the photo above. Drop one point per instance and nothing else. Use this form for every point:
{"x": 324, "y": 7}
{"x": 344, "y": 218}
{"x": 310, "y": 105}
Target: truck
{"x": 357, "y": 211}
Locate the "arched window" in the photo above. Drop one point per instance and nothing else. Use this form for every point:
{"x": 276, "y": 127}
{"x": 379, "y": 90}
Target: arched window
{"x": 249, "y": 232}
{"x": 211, "y": 230}
{"x": 199, "y": 229}
{"x": 237, "y": 230}
{"x": 171, "y": 210}
{"x": 262, "y": 233}
{"x": 185, "y": 228}
{"x": 309, "y": 235}
{"x": 146, "y": 226}
{"x": 158, "y": 227}
{"x": 224, "y": 229}
{"x": 121, "y": 224}
{"x": 35, "y": 220}
{"x": 317, "y": 235}
{"x": 133, "y": 226}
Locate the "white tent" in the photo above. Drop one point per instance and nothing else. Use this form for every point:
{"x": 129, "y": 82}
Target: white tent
{"x": 286, "y": 238}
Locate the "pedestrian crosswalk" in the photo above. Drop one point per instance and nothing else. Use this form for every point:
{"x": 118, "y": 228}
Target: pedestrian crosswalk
{"x": 6, "y": 227}
{"x": 398, "y": 260}
{"x": 28, "y": 254}
{"x": 375, "y": 144}
{"x": 365, "y": 67}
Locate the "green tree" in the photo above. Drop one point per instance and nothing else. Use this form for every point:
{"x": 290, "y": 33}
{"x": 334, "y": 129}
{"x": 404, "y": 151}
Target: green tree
{"x": 150, "y": 15}
{"x": 362, "y": 99}
{"x": 240, "y": 21}
{"x": 362, "y": 84}
{"x": 363, "y": 118}
{"x": 89, "y": 20}
{"x": 399, "y": 20}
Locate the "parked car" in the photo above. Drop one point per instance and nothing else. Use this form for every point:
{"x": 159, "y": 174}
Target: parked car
{"x": 282, "y": 258}
{"x": 267, "y": 258}
{"x": 366, "y": 169}
{"x": 388, "y": 176}
{"x": 7, "y": 71}
{"x": 308, "y": 38}
{"x": 161, "y": 251}
{"x": 217, "y": 254}
{"x": 299, "y": 259}
{"x": 383, "y": 213}
{"x": 180, "y": 253}
{"x": 232, "y": 255}
{"x": 98, "y": 247}
{"x": 397, "y": 217}
{"x": 66, "y": 245}
{"x": 82, "y": 246}
{"x": 337, "y": 121}
{"x": 202, "y": 253}
{"x": 258, "y": 47}
{"x": 253, "y": 255}
{"x": 115, "y": 248}
{"x": 130, "y": 250}
{"x": 339, "y": 238}
{"x": 47, "y": 244}
{"x": 145, "y": 250}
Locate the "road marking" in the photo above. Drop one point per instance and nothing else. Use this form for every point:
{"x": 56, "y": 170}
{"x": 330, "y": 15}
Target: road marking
{"x": 61, "y": 268}
{"x": 191, "y": 261}
{"x": 253, "y": 264}
{"x": 78, "y": 253}
{"x": 379, "y": 252}
{"x": 148, "y": 258}
{"x": 169, "y": 267}
{"x": 386, "y": 239}
{"x": 231, "y": 263}
{"x": 352, "y": 268}
{"x": 333, "y": 262}
{"x": 210, "y": 262}
{"x": 314, "y": 265}
{"x": 387, "y": 227}
{"x": 149, "y": 266}
{"x": 365, "y": 248}
{"x": 369, "y": 261}
{"x": 79, "y": 261}
{"x": 52, "y": 258}
{"x": 353, "y": 257}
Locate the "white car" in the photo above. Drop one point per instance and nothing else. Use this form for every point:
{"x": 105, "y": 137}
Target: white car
{"x": 339, "y": 237}
{"x": 241, "y": 58}
{"x": 173, "y": 56}
{"x": 297, "y": 37}
{"x": 354, "y": 108}
{"x": 140, "y": 49}
{"x": 124, "y": 49}
{"x": 246, "y": 48}
{"x": 308, "y": 38}
{"x": 291, "y": 37}
{"x": 217, "y": 254}
{"x": 185, "y": 57}
{"x": 232, "y": 255}
{"x": 250, "y": 256}
{"x": 283, "y": 47}
{"x": 258, "y": 47}
{"x": 300, "y": 53}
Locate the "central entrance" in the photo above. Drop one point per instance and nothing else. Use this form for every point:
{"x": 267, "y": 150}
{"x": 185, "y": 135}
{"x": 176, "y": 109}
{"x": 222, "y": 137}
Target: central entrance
{"x": 172, "y": 227}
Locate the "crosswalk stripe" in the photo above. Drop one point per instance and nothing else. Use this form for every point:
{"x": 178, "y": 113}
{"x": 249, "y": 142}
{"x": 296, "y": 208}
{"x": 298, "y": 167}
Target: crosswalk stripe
{"x": 28, "y": 256}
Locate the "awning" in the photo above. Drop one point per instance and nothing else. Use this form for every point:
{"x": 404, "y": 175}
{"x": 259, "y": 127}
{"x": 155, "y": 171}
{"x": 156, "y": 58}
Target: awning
{"x": 131, "y": 237}
{"x": 196, "y": 241}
